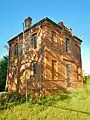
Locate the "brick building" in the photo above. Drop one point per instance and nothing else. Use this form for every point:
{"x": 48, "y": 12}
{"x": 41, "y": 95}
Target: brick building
{"x": 46, "y": 57}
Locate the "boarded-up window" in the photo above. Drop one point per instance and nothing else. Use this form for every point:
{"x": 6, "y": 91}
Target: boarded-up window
{"x": 54, "y": 39}
{"x": 53, "y": 68}
{"x": 68, "y": 75}
{"x": 14, "y": 71}
{"x": 78, "y": 71}
{"x": 78, "y": 52}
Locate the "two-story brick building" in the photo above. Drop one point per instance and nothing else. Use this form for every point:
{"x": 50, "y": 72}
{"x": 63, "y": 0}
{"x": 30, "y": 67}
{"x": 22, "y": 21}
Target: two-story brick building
{"x": 45, "y": 57}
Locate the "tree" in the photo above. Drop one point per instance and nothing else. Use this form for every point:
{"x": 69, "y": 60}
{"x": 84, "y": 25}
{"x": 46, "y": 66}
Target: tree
{"x": 3, "y": 72}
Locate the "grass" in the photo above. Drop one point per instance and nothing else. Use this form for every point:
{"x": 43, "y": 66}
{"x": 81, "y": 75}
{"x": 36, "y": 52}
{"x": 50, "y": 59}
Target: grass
{"x": 63, "y": 106}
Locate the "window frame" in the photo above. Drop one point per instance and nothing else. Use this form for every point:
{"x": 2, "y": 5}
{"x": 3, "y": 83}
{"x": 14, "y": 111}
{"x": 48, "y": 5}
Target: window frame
{"x": 34, "y": 41}
{"x": 34, "y": 68}
{"x": 16, "y": 49}
{"x": 67, "y": 45}
{"x": 53, "y": 68}
{"x": 78, "y": 52}
{"x": 14, "y": 71}
{"x": 54, "y": 41}
{"x": 68, "y": 74}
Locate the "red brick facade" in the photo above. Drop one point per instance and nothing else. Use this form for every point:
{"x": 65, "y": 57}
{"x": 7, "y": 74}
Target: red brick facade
{"x": 61, "y": 59}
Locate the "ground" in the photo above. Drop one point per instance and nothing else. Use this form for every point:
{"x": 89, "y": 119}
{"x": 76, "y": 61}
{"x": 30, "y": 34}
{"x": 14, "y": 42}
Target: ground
{"x": 63, "y": 106}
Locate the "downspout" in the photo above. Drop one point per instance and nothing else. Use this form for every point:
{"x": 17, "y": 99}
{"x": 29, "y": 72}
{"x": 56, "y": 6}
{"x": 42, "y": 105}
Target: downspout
{"x": 7, "y": 77}
{"x": 24, "y": 53}
{"x": 41, "y": 52}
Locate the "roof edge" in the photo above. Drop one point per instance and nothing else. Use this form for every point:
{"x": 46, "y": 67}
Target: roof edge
{"x": 77, "y": 38}
{"x": 41, "y": 21}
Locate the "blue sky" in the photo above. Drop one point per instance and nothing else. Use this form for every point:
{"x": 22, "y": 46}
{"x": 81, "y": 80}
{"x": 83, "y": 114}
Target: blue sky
{"x": 74, "y": 13}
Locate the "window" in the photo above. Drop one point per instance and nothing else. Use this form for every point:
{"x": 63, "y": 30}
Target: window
{"x": 78, "y": 52}
{"x": 34, "y": 41}
{"x": 14, "y": 71}
{"x": 67, "y": 45}
{"x": 34, "y": 68}
{"x": 68, "y": 75}
{"x": 54, "y": 39}
{"x": 77, "y": 72}
{"x": 53, "y": 68}
{"x": 16, "y": 49}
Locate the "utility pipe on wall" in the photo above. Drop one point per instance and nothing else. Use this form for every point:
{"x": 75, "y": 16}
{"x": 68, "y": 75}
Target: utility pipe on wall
{"x": 24, "y": 53}
{"x": 41, "y": 51}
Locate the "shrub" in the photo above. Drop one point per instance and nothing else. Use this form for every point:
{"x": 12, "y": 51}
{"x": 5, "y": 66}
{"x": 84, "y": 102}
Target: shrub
{"x": 10, "y": 100}
{"x": 3, "y": 100}
{"x": 16, "y": 97}
{"x": 85, "y": 79}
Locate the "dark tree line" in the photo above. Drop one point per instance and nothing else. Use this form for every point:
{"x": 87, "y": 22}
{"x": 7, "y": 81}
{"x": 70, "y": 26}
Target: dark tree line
{"x": 3, "y": 72}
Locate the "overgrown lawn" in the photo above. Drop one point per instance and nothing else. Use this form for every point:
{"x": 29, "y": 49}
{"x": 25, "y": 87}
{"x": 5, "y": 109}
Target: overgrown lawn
{"x": 63, "y": 106}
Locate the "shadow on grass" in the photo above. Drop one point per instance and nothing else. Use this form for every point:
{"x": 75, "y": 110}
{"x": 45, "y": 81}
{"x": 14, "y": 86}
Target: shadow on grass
{"x": 51, "y": 100}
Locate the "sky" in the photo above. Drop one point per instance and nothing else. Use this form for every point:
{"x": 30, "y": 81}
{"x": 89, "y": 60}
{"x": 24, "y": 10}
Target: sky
{"x": 74, "y": 13}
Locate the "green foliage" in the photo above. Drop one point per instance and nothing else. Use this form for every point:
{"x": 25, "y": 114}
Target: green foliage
{"x": 16, "y": 97}
{"x": 85, "y": 79}
{"x": 3, "y": 100}
{"x": 3, "y": 72}
{"x": 11, "y": 100}
{"x": 63, "y": 106}
{"x": 31, "y": 99}
{"x": 52, "y": 100}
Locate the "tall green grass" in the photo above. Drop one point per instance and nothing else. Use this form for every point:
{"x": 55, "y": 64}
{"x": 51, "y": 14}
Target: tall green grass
{"x": 63, "y": 106}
